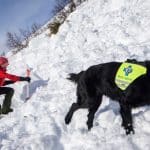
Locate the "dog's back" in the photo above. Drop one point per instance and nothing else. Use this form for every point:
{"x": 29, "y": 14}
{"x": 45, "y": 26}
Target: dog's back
{"x": 100, "y": 78}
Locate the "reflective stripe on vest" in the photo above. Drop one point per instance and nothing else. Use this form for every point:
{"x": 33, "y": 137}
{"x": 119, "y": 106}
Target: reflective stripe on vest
{"x": 127, "y": 73}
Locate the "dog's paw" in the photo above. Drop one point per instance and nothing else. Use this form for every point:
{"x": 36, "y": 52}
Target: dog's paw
{"x": 67, "y": 119}
{"x": 89, "y": 125}
{"x": 129, "y": 130}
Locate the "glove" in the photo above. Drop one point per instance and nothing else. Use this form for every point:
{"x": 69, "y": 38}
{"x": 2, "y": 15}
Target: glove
{"x": 28, "y": 79}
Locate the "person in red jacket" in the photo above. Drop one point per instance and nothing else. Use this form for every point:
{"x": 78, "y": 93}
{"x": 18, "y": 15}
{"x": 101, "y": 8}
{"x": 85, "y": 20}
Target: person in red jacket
{"x": 8, "y": 91}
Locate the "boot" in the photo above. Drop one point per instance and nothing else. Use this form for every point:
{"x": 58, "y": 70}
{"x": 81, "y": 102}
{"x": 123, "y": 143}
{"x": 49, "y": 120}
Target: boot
{"x": 5, "y": 110}
{"x": 0, "y": 109}
{"x": 7, "y": 102}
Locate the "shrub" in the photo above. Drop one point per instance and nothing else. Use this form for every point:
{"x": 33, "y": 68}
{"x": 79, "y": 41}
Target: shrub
{"x": 54, "y": 27}
{"x": 14, "y": 41}
{"x": 21, "y": 40}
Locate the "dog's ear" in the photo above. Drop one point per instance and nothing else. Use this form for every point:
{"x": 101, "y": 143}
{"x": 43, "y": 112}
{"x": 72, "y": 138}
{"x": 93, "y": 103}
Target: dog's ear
{"x": 147, "y": 62}
{"x": 131, "y": 60}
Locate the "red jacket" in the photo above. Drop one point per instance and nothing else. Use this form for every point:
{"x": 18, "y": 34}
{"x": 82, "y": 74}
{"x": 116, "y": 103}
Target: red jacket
{"x": 4, "y": 74}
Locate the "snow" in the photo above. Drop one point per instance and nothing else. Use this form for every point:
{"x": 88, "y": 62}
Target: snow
{"x": 97, "y": 32}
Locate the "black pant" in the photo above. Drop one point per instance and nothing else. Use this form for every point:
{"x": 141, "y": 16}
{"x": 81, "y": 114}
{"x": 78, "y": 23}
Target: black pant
{"x": 9, "y": 92}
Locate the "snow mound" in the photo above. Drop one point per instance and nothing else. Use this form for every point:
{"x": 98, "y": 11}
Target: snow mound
{"x": 97, "y": 32}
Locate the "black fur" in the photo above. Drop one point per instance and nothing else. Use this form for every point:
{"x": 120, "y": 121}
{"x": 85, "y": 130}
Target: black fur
{"x": 99, "y": 80}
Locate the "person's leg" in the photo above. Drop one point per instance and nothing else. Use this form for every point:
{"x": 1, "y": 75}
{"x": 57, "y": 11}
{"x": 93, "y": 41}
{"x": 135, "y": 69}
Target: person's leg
{"x": 7, "y": 101}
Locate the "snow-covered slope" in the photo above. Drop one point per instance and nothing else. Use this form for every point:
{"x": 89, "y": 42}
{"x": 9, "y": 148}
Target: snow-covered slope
{"x": 98, "y": 31}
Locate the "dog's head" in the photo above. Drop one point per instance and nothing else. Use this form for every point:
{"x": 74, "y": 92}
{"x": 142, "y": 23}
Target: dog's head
{"x": 147, "y": 63}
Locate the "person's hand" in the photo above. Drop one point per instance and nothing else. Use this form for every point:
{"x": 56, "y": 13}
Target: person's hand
{"x": 28, "y": 79}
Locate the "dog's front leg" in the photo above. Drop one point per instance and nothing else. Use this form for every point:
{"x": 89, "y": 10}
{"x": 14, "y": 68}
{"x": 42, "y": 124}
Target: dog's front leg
{"x": 90, "y": 119}
{"x": 126, "y": 115}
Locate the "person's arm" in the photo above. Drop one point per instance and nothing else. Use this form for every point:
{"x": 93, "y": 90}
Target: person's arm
{"x": 25, "y": 79}
{"x": 8, "y": 82}
{"x": 9, "y": 76}
{"x": 21, "y": 79}
{"x": 14, "y": 78}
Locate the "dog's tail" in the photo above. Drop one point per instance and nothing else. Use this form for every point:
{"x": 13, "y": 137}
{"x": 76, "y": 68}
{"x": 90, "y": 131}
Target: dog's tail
{"x": 75, "y": 77}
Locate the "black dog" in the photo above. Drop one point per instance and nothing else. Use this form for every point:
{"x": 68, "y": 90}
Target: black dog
{"x": 98, "y": 80}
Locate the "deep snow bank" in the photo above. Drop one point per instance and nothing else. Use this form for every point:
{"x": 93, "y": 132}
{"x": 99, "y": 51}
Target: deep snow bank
{"x": 97, "y": 32}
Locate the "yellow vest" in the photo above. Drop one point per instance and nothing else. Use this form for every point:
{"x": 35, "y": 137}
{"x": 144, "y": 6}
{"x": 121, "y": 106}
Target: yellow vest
{"x": 127, "y": 73}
